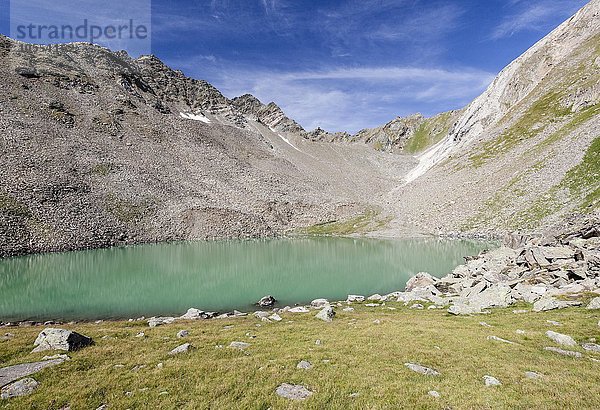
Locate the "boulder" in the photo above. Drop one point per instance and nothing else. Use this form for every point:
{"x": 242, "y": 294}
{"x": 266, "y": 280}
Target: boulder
{"x": 60, "y": 339}
{"x": 549, "y": 303}
{"x": 355, "y": 298}
{"x": 192, "y": 314}
{"x": 299, "y": 309}
{"x": 19, "y": 388}
{"x": 319, "y": 303}
{"x": 184, "y": 348}
{"x": 594, "y": 304}
{"x": 275, "y": 317}
{"x": 422, "y": 369}
{"x": 561, "y": 339}
{"x": 160, "y": 321}
{"x": 267, "y": 301}
{"x": 420, "y": 280}
{"x": 326, "y": 314}
{"x": 463, "y": 309}
{"x": 293, "y": 392}
{"x": 183, "y": 333}
{"x": 11, "y": 373}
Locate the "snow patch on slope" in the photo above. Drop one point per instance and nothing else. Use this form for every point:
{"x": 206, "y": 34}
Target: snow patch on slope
{"x": 195, "y": 117}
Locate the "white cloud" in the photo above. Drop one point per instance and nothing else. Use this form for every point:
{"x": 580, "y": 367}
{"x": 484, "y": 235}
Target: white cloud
{"x": 535, "y": 15}
{"x": 349, "y": 99}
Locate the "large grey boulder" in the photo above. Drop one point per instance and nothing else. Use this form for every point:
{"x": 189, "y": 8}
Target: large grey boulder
{"x": 293, "y": 392}
{"x": 422, "y": 369}
{"x": 60, "y": 339}
{"x": 19, "y": 388}
{"x": 594, "y": 303}
{"x": 326, "y": 314}
{"x": 420, "y": 280}
{"x": 561, "y": 339}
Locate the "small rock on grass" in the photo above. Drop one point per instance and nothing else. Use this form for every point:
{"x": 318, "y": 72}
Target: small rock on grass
{"x": 422, "y": 369}
{"x": 499, "y": 339}
{"x": 491, "y": 381}
{"x": 184, "y": 348}
{"x": 23, "y": 387}
{"x": 239, "y": 345}
{"x": 434, "y": 393}
{"x": 293, "y": 392}
{"x": 561, "y": 339}
{"x": 592, "y": 347}
{"x": 554, "y": 322}
{"x": 304, "y": 365}
{"x": 533, "y": 375}
{"x": 520, "y": 332}
{"x": 563, "y": 352}
{"x": 183, "y": 333}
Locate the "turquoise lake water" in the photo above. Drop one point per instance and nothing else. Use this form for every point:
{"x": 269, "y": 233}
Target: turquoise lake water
{"x": 167, "y": 279}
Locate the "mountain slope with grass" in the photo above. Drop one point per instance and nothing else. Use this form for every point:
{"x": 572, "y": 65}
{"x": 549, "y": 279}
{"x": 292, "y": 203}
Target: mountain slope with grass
{"x": 525, "y": 154}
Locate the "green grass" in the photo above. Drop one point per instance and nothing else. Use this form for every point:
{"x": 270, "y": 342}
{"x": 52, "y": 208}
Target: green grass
{"x": 542, "y": 113}
{"x": 366, "y": 222}
{"x": 431, "y": 131}
{"x": 356, "y": 356}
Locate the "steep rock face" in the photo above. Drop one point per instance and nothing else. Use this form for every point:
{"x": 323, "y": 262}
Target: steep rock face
{"x": 526, "y": 153}
{"x": 270, "y": 115}
{"x": 518, "y": 82}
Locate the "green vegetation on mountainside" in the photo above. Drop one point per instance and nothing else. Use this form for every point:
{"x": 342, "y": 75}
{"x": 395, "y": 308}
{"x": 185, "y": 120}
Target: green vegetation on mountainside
{"x": 430, "y": 132}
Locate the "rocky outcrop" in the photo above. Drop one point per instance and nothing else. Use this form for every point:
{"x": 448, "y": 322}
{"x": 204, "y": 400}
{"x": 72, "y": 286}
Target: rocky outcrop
{"x": 539, "y": 271}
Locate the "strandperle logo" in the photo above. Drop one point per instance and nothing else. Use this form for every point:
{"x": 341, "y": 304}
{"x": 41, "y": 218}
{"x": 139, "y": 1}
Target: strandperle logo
{"x": 83, "y": 32}
{"x": 116, "y": 24}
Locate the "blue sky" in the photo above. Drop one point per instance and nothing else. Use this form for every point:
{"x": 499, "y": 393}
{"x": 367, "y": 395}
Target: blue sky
{"x": 347, "y": 65}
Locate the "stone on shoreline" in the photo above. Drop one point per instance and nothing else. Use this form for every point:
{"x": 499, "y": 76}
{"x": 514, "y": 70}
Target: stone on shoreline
{"x": 60, "y": 339}
{"x": 420, "y": 280}
{"x": 319, "y": 303}
{"x": 299, "y": 309}
{"x": 267, "y": 301}
{"x": 355, "y": 298}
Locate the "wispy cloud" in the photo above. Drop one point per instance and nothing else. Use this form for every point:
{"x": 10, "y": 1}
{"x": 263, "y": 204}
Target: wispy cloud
{"x": 349, "y": 99}
{"x": 535, "y": 15}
